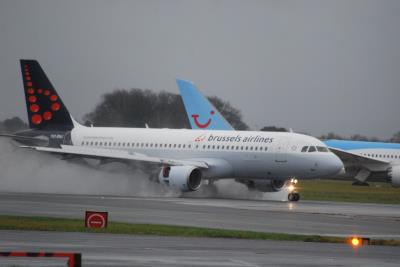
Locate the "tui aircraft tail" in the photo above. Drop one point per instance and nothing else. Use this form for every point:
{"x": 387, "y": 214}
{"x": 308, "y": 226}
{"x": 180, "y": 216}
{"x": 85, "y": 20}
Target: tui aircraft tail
{"x": 46, "y": 111}
{"x": 202, "y": 114}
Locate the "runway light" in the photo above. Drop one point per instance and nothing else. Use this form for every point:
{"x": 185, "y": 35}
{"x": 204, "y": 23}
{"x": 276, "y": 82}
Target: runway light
{"x": 355, "y": 241}
{"x": 358, "y": 241}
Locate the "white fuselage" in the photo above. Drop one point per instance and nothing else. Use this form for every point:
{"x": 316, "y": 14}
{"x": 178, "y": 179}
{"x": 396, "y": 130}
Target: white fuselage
{"x": 230, "y": 154}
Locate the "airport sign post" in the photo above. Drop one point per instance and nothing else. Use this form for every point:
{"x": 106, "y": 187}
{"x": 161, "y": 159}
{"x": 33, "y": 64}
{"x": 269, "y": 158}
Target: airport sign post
{"x": 74, "y": 259}
{"x": 95, "y": 219}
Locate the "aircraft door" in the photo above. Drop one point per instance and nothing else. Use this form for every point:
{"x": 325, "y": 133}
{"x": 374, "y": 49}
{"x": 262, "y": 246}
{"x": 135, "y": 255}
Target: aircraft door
{"x": 281, "y": 151}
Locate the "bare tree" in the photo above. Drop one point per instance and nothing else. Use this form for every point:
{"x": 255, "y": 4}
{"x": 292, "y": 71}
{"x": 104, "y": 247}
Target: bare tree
{"x": 137, "y": 107}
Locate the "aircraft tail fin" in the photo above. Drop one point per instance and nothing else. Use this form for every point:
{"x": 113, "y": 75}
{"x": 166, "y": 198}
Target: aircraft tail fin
{"x": 201, "y": 113}
{"x": 46, "y": 111}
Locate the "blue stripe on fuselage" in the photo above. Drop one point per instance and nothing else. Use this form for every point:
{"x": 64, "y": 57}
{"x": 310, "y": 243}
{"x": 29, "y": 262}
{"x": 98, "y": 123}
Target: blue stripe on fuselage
{"x": 353, "y": 145}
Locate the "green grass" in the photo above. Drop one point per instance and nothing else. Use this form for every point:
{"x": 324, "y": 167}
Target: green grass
{"x": 333, "y": 190}
{"x": 74, "y": 225}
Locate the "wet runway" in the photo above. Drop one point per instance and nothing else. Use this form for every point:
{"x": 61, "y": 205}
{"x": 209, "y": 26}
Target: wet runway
{"x": 305, "y": 217}
{"x": 125, "y": 250}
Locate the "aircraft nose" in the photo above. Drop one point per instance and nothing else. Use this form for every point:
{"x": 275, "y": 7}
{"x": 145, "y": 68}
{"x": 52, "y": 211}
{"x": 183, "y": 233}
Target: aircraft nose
{"x": 334, "y": 165}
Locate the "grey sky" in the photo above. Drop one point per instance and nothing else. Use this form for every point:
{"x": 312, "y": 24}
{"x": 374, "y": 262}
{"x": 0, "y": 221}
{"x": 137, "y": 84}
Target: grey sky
{"x": 314, "y": 66}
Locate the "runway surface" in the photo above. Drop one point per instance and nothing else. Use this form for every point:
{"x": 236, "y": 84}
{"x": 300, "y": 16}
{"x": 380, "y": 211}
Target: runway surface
{"x": 125, "y": 250}
{"x": 305, "y": 217}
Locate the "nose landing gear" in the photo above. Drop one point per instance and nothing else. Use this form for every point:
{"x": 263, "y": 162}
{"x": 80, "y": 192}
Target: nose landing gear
{"x": 293, "y": 194}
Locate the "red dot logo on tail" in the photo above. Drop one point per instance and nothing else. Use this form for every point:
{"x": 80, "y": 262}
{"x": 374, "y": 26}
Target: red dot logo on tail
{"x": 202, "y": 125}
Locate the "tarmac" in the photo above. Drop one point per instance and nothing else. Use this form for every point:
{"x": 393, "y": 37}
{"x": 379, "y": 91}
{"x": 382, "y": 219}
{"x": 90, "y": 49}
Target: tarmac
{"x": 304, "y": 217}
{"x": 127, "y": 250}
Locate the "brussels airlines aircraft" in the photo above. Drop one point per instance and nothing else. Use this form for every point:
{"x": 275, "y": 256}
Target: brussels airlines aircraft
{"x": 186, "y": 157}
{"x": 374, "y": 161}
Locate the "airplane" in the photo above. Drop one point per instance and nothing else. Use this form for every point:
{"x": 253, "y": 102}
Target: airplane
{"x": 368, "y": 161}
{"x": 185, "y": 157}
{"x": 372, "y": 161}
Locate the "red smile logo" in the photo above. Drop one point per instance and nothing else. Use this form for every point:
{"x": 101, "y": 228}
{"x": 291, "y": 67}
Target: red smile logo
{"x": 202, "y": 125}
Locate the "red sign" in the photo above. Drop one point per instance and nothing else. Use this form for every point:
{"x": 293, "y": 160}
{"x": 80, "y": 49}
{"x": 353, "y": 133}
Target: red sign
{"x": 95, "y": 219}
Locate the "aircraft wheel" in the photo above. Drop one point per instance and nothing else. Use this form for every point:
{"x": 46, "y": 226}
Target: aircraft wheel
{"x": 294, "y": 197}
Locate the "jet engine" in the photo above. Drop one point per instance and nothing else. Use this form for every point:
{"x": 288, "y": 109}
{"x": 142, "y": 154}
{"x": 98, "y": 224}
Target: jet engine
{"x": 394, "y": 174}
{"x": 186, "y": 178}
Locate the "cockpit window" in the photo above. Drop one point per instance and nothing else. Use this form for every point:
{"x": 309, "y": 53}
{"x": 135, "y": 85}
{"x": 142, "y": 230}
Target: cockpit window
{"x": 304, "y": 149}
{"x": 322, "y": 149}
{"x": 312, "y": 149}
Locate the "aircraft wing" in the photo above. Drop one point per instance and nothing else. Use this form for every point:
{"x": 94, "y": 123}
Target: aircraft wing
{"x": 117, "y": 154}
{"x": 23, "y": 137}
{"x": 353, "y": 159}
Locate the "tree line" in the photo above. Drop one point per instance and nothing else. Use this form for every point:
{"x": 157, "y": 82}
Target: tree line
{"x": 138, "y": 107}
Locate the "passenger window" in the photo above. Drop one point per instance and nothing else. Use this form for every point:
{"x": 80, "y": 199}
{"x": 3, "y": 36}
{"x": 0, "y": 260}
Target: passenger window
{"x": 312, "y": 149}
{"x": 256, "y": 148}
{"x": 304, "y": 149}
{"x": 266, "y": 148}
{"x": 179, "y": 146}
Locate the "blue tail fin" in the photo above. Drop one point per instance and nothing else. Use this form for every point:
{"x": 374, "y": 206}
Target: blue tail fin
{"x": 201, "y": 113}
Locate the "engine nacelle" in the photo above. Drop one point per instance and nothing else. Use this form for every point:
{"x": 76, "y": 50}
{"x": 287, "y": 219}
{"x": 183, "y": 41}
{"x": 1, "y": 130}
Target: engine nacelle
{"x": 186, "y": 178}
{"x": 394, "y": 174}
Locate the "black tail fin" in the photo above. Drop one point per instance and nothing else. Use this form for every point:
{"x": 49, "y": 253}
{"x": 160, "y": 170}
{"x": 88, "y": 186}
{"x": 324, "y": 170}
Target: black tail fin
{"x": 46, "y": 111}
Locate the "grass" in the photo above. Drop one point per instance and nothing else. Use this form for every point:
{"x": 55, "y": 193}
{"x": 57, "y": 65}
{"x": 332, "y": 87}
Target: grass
{"x": 75, "y": 225}
{"x": 334, "y": 190}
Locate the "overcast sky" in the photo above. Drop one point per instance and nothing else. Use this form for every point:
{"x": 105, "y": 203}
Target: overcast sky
{"x": 314, "y": 66}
